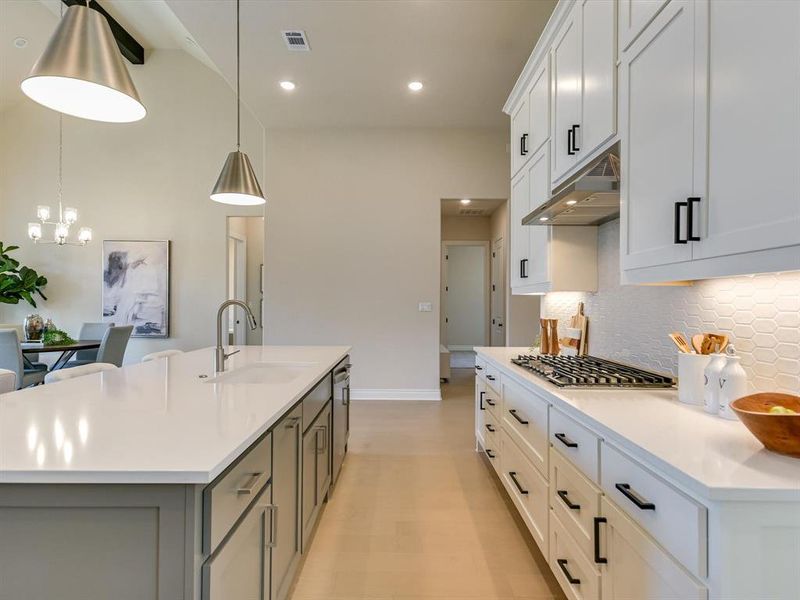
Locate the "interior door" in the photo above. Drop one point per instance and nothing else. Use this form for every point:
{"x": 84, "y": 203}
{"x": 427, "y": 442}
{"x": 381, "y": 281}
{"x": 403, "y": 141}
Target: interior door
{"x": 566, "y": 96}
{"x": 657, "y": 116}
{"x": 286, "y": 458}
{"x": 754, "y": 137}
{"x": 498, "y": 294}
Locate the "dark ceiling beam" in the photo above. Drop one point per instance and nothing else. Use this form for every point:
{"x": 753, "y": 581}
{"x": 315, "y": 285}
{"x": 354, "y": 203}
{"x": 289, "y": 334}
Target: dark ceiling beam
{"x": 128, "y": 46}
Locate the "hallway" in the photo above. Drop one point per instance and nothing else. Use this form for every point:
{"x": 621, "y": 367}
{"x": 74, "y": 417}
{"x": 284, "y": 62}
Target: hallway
{"x": 417, "y": 515}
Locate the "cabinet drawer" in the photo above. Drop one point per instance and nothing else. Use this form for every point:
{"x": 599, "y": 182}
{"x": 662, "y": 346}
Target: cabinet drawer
{"x": 480, "y": 367}
{"x": 525, "y": 418}
{"x": 492, "y": 402}
{"x": 491, "y": 440}
{"x": 227, "y": 497}
{"x": 577, "y": 443}
{"x": 575, "y": 501}
{"x": 315, "y": 401}
{"x": 575, "y": 573}
{"x": 527, "y": 488}
{"x": 674, "y": 520}
{"x": 492, "y": 377}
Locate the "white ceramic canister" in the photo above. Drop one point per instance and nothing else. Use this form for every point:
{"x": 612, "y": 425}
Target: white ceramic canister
{"x": 732, "y": 384}
{"x": 711, "y": 383}
{"x": 690, "y": 377}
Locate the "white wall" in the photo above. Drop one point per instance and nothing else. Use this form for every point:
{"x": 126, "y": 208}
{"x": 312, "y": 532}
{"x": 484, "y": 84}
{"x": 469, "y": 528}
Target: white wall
{"x": 466, "y": 297}
{"x": 251, "y": 230}
{"x": 353, "y": 242}
{"x": 145, "y": 180}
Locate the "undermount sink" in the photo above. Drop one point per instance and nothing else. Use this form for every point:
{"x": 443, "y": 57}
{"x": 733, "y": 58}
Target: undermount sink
{"x": 268, "y": 373}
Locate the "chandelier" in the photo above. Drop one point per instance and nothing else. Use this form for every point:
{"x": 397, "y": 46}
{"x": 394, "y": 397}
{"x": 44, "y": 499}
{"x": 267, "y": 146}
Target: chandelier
{"x": 67, "y": 217}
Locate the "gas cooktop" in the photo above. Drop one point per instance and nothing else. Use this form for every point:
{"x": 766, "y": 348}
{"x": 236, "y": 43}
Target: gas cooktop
{"x": 590, "y": 372}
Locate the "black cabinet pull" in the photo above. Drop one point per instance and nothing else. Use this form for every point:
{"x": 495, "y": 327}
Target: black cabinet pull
{"x": 597, "y": 558}
{"x": 523, "y": 144}
{"x": 489, "y": 453}
{"x": 562, "y": 563}
{"x": 514, "y": 414}
{"x": 690, "y": 220}
{"x": 678, "y": 206}
{"x": 480, "y": 400}
{"x": 478, "y": 368}
{"x": 570, "y": 151}
{"x": 523, "y": 268}
{"x": 562, "y": 437}
{"x": 513, "y": 475}
{"x": 490, "y": 428}
{"x": 575, "y": 138}
{"x": 490, "y": 402}
{"x": 634, "y": 497}
{"x": 563, "y": 494}
{"x": 490, "y": 377}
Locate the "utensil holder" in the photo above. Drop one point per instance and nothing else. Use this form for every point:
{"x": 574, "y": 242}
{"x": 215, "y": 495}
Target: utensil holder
{"x": 691, "y": 377}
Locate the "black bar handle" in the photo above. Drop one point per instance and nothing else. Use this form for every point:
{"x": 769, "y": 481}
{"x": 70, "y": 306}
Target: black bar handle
{"x": 490, "y": 377}
{"x": 564, "y": 495}
{"x": 513, "y": 475}
{"x": 569, "y": 142}
{"x": 478, "y": 368}
{"x": 562, "y": 437}
{"x": 575, "y": 138}
{"x": 690, "y": 220}
{"x": 678, "y": 206}
{"x": 523, "y": 144}
{"x": 597, "y": 558}
{"x": 490, "y": 428}
{"x": 489, "y": 453}
{"x": 480, "y": 400}
{"x": 633, "y": 496}
{"x": 562, "y": 563}
{"x": 523, "y": 268}
{"x": 490, "y": 402}
{"x": 514, "y": 414}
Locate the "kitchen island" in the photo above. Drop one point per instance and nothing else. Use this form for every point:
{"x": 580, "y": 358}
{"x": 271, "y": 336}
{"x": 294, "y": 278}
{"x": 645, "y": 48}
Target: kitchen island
{"x": 166, "y": 480}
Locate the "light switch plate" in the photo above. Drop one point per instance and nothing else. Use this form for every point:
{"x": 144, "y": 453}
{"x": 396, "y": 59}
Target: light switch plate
{"x": 425, "y": 307}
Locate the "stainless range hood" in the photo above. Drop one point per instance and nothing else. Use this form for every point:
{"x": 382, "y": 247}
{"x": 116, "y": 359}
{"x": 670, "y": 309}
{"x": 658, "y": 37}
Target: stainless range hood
{"x": 591, "y": 197}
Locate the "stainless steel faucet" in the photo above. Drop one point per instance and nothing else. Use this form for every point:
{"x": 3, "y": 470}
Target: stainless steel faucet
{"x": 220, "y": 356}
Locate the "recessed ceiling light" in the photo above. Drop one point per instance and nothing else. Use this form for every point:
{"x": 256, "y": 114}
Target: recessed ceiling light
{"x": 415, "y": 86}
{"x": 288, "y": 85}
{"x": 571, "y": 202}
{"x": 465, "y": 201}
{"x": 543, "y": 219}
{"x": 20, "y": 42}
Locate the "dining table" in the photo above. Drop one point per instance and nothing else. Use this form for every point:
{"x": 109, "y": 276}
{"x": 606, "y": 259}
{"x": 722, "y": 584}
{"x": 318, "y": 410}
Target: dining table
{"x": 67, "y": 352}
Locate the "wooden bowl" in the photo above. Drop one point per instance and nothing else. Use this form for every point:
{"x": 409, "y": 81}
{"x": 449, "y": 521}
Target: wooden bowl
{"x": 779, "y": 433}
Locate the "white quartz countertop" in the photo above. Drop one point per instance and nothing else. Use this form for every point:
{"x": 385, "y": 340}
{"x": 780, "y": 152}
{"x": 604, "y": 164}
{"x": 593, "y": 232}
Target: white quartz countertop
{"x": 155, "y": 422}
{"x": 707, "y": 456}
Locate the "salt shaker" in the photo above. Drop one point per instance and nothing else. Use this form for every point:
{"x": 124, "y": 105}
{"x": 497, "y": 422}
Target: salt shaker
{"x": 711, "y": 383}
{"x": 732, "y": 384}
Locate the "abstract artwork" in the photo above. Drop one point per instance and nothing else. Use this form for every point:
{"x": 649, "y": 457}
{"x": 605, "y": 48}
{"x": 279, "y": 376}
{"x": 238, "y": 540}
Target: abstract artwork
{"x": 136, "y": 286}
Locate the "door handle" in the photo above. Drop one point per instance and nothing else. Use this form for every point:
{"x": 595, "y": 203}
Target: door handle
{"x": 597, "y": 558}
{"x": 321, "y": 429}
{"x": 513, "y": 475}
{"x": 569, "y": 142}
{"x": 640, "y": 502}
{"x": 523, "y": 144}
{"x": 575, "y": 138}
{"x": 562, "y": 563}
{"x": 677, "y": 219}
{"x": 480, "y": 400}
{"x": 345, "y": 395}
{"x": 564, "y": 495}
{"x": 690, "y": 219}
{"x": 523, "y": 268}
{"x": 272, "y": 539}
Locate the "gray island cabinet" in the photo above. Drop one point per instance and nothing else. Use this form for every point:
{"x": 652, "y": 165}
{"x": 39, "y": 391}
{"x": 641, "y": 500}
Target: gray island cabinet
{"x": 71, "y": 532}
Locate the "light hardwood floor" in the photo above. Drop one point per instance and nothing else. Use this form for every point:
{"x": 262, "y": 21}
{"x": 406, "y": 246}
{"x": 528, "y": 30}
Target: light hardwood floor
{"x": 417, "y": 514}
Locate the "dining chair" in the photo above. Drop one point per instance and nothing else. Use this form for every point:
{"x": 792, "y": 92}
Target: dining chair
{"x": 33, "y": 358}
{"x": 112, "y": 347}
{"x": 11, "y": 359}
{"x": 8, "y": 381}
{"x": 91, "y": 331}
{"x": 63, "y": 374}
{"x": 160, "y": 354}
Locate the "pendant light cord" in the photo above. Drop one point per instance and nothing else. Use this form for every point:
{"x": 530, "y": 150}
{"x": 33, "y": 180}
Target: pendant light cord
{"x": 60, "y": 164}
{"x": 238, "y": 93}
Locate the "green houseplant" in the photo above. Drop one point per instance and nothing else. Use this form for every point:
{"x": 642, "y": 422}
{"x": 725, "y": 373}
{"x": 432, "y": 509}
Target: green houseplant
{"x": 18, "y": 283}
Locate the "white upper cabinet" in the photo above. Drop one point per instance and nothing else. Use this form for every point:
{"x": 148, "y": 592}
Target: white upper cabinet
{"x": 634, "y": 16}
{"x": 538, "y": 169}
{"x": 751, "y": 200}
{"x": 520, "y": 127}
{"x": 584, "y": 94}
{"x": 711, "y": 183}
{"x": 539, "y": 107}
{"x": 658, "y": 139}
{"x": 520, "y": 241}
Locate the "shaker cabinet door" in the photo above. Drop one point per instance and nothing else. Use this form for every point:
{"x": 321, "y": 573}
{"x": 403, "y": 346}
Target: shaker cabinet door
{"x": 566, "y": 65}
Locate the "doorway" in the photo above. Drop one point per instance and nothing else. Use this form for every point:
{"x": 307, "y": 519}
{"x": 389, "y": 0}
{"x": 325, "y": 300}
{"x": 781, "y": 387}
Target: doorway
{"x": 245, "y": 266}
{"x": 466, "y": 298}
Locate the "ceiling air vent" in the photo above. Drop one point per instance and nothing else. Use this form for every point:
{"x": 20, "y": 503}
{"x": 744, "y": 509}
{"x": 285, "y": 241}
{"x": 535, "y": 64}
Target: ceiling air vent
{"x": 296, "y": 40}
{"x": 472, "y": 212}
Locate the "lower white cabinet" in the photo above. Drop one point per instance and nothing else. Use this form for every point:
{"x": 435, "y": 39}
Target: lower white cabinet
{"x": 576, "y": 574}
{"x": 636, "y": 567}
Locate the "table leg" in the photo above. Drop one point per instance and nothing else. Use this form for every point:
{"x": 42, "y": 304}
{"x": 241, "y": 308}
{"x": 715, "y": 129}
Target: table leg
{"x": 26, "y": 362}
{"x": 63, "y": 360}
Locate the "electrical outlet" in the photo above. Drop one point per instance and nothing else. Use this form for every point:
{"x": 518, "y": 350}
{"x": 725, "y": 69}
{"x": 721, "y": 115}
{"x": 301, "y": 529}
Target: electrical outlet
{"x": 425, "y": 307}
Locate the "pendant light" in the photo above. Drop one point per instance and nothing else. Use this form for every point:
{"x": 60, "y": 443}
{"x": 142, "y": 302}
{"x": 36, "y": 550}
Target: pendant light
{"x": 237, "y": 183}
{"x": 66, "y": 216}
{"x": 81, "y": 72}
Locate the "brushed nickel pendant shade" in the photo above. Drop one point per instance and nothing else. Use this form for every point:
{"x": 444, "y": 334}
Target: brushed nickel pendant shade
{"x": 237, "y": 183}
{"x": 81, "y": 72}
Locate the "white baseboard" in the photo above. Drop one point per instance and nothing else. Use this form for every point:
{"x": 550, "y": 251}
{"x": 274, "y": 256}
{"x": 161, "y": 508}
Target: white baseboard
{"x": 457, "y": 348}
{"x": 389, "y": 394}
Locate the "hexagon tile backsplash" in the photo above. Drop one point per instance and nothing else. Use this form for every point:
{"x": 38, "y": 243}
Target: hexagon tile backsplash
{"x": 761, "y": 313}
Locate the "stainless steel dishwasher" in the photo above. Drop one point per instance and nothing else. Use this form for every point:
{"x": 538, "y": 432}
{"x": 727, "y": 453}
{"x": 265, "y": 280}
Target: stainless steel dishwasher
{"x": 341, "y": 415}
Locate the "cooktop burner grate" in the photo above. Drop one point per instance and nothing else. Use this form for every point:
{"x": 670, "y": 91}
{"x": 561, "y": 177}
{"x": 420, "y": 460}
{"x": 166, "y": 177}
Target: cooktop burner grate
{"x": 590, "y": 371}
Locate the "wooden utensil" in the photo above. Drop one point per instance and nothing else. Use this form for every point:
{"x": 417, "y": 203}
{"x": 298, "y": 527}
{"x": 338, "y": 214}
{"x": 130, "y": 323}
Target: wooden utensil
{"x": 680, "y": 342}
{"x": 697, "y": 342}
{"x": 720, "y": 341}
